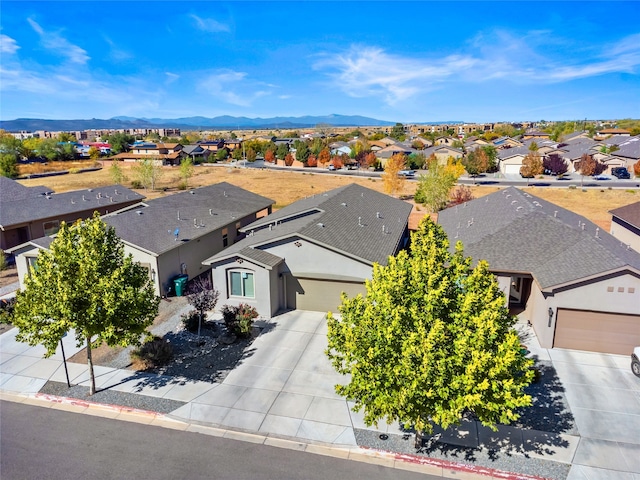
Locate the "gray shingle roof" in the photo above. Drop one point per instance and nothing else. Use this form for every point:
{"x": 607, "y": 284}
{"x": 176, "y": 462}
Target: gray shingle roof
{"x": 19, "y": 206}
{"x": 349, "y": 219}
{"x": 212, "y": 207}
{"x": 518, "y": 232}
{"x": 629, "y": 214}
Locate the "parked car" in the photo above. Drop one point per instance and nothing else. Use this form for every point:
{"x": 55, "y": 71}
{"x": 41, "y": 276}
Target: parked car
{"x": 407, "y": 173}
{"x": 620, "y": 172}
{"x": 635, "y": 361}
{"x": 331, "y": 167}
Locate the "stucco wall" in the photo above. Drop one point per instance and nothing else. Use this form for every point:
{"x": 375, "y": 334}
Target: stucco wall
{"x": 265, "y": 286}
{"x": 625, "y": 235}
{"x": 312, "y": 258}
{"x": 624, "y": 298}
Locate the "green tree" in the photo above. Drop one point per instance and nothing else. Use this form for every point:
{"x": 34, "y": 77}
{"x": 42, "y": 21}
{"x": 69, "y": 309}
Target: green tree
{"x": 66, "y": 137}
{"x": 221, "y": 155}
{"x": 492, "y": 157}
{"x": 302, "y": 151}
{"x": 251, "y": 154}
{"x": 116, "y": 173}
{"x": 236, "y": 154}
{"x": 148, "y": 172}
{"x": 186, "y": 170}
{"x": 434, "y": 186}
{"x": 397, "y": 132}
{"x": 85, "y": 283}
{"x": 431, "y": 341}
{"x": 8, "y": 165}
{"x": 282, "y": 151}
{"x": 119, "y": 141}
{"x": 49, "y": 148}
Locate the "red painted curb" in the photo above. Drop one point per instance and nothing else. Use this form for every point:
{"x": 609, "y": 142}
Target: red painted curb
{"x": 87, "y": 404}
{"x": 461, "y": 467}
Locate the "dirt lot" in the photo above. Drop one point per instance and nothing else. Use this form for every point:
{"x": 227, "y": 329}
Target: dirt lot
{"x": 285, "y": 187}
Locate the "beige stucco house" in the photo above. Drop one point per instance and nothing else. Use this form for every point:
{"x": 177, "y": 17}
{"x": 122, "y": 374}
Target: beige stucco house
{"x": 172, "y": 235}
{"x": 578, "y": 285}
{"x": 306, "y": 254}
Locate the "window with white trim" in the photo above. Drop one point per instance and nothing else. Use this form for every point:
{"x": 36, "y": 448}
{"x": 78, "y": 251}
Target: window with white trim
{"x": 241, "y": 284}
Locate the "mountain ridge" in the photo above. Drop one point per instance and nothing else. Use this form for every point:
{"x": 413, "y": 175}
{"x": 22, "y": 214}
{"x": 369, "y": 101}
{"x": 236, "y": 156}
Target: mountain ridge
{"x": 195, "y": 122}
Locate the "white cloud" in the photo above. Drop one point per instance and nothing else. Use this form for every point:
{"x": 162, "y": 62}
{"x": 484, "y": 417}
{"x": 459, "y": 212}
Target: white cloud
{"x": 8, "y": 45}
{"x": 371, "y": 71}
{"x": 233, "y": 87}
{"x": 209, "y": 24}
{"x": 61, "y": 46}
{"x": 171, "y": 77}
{"x": 528, "y": 58}
{"x": 116, "y": 53}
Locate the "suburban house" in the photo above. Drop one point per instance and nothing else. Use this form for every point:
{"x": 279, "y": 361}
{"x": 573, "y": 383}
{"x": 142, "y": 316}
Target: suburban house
{"x": 625, "y": 225}
{"x": 33, "y": 212}
{"x": 196, "y": 153}
{"x": 578, "y": 285}
{"x": 510, "y": 160}
{"x": 536, "y": 134}
{"x": 506, "y": 142}
{"x": 442, "y": 153}
{"x": 160, "y": 153}
{"x": 306, "y": 254}
{"x": 172, "y": 235}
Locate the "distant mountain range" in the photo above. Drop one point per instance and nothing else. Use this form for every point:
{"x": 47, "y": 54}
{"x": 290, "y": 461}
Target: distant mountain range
{"x": 195, "y": 123}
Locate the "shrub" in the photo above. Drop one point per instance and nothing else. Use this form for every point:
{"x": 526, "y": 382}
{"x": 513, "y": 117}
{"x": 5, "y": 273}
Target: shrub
{"x": 190, "y": 321}
{"x": 239, "y": 320}
{"x": 182, "y": 185}
{"x": 74, "y": 170}
{"x": 154, "y": 353}
{"x": 3, "y": 260}
{"x": 6, "y": 309}
{"x": 137, "y": 184}
{"x": 461, "y": 194}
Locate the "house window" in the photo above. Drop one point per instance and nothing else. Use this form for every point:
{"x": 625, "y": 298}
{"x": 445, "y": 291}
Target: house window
{"x": 32, "y": 264}
{"x": 241, "y": 284}
{"x": 51, "y": 227}
{"x": 225, "y": 237}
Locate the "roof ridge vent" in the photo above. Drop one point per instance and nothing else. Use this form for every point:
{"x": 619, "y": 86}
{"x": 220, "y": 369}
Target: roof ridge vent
{"x": 344, "y": 204}
{"x": 514, "y": 201}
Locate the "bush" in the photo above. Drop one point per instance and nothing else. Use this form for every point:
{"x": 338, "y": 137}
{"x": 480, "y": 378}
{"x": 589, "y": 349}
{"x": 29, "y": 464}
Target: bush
{"x": 190, "y": 321}
{"x": 6, "y": 309}
{"x": 137, "y": 184}
{"x": 3, "y": 260}
{"x": 182, "y": 185}
{"x": 152, "y": 354}
{"x": 74, "y": 170}
{"x": 239, "y": 320}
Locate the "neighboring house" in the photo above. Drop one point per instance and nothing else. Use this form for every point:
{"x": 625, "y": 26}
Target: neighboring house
{"x": 160, "y": 153}
{"x": 196, "y": 153}
{"x": 613, "y": 131}
{"x": 306, "y": 254}
{"x": 340, "y": 148}
{"x": 173, "y": 234}
{"x": 629, "y": 152}
{"x": 625, "y": 225}
{"x": 443, "y": 153}
{"x": 510, "y": 160}
{"x": 506, "y": 142}
{"x": 27, "y": 213}
{"x": 578, "y": 285}
{"x": 211, "y": 145}
{"x": 445, "y": 141}
{"x": 535, "y": 134}
{"x": 386, "y": 153}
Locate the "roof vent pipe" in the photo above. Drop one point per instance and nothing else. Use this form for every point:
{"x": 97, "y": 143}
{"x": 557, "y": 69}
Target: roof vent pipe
{"x": 597, "y": 232}
{"x": 178, "y": 214}
{"x": 360, "y": 221}
{"x": 84, "y": 199}
{"x": 377, "y": 214}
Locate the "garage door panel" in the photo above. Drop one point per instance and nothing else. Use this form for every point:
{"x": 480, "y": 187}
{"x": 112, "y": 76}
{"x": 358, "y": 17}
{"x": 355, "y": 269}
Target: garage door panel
{"x": 324, "y": 295}
{"x": 597, "y": 331}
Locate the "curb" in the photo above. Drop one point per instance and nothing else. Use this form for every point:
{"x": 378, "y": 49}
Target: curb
{"x": 401, "y": 461}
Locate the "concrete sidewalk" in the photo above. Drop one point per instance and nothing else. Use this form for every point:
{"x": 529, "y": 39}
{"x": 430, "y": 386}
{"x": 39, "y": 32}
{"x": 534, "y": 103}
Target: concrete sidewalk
{"x": 284, "y": 389}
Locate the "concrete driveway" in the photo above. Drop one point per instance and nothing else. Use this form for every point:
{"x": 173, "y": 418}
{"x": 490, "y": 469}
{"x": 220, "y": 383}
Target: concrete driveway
{"x": 604, "y": 397}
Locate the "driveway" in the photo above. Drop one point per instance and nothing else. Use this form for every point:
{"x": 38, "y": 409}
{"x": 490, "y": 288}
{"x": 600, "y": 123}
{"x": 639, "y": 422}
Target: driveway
{"x": 284, "y": 386}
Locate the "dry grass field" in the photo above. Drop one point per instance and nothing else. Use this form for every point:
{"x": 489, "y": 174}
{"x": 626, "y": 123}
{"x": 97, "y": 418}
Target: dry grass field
{"x": 285, "y": 187}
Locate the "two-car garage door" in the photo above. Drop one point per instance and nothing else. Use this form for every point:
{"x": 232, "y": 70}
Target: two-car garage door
{"x": 597, "y": 331}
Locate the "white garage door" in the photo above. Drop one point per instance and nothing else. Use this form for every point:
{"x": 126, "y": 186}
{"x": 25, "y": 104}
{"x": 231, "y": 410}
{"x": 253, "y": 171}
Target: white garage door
{"x": 597, "y": 331}
{"x": 512, "y": 169}
{"x": 324, "y": 295}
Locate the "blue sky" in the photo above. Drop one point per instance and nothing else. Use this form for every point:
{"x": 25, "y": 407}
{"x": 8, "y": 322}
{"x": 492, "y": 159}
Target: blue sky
{"x": 405, "y": 62}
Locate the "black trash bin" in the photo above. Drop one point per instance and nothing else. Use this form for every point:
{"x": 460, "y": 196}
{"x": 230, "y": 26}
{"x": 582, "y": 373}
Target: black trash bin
{"x": 180, "y": 284}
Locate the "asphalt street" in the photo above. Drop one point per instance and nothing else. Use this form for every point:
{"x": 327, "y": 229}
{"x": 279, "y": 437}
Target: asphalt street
{"x": 41, "y": 443}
